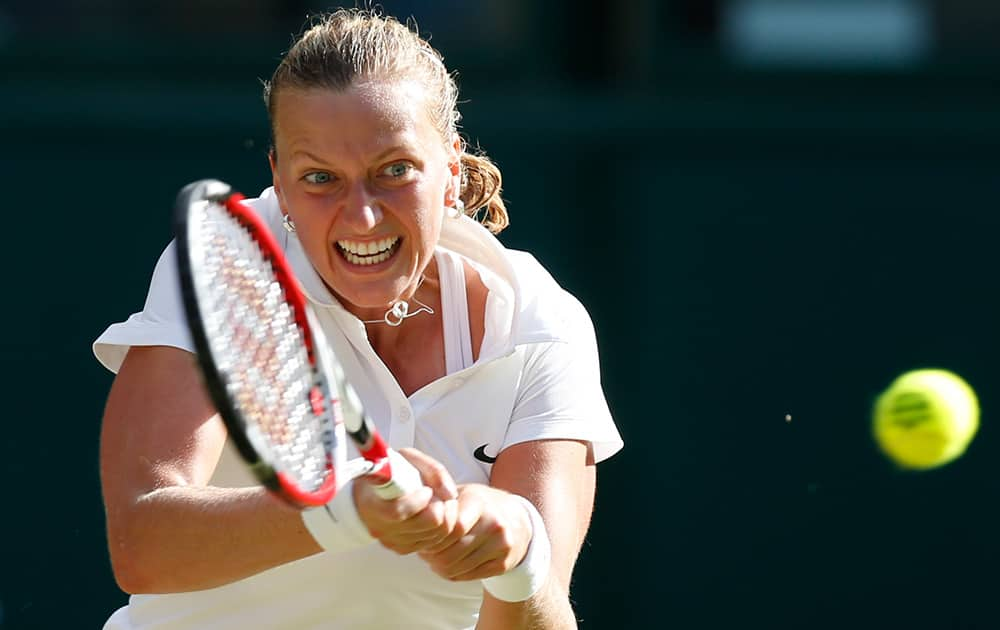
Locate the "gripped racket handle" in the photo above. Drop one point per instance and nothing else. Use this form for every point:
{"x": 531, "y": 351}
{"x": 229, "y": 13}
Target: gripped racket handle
{"x": 397, "y": 476}
{"x": 405, "y": 478}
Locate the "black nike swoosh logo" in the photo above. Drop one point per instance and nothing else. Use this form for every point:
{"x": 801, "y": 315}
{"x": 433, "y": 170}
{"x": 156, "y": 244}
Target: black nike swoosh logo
{"x": 481, "y": 455}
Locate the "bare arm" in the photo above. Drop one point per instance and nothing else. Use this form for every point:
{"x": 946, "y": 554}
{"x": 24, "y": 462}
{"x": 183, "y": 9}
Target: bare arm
{"x": 168, "y": 531}
{"x": 492, "y": 530}
{"x": 559, "y": 478}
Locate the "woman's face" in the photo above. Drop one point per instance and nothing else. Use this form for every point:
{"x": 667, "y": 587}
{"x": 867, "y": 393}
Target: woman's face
{"x": 365, "y": 176}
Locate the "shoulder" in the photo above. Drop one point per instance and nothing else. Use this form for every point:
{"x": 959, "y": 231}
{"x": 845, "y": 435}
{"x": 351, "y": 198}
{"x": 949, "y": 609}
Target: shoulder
{"x": 542, "y": 310}
{"x": 546, "y": 311}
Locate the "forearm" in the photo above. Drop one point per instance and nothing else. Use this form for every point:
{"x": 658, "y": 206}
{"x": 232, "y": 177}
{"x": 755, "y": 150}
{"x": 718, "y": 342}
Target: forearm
{"x": 549, "y": 609}
{"x": 188, "y": 538}
{"x": 564, "y": 501}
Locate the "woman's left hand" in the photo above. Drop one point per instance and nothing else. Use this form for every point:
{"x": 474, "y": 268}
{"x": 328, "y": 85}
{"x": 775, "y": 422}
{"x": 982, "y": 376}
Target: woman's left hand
{"x": 490, "y": 537}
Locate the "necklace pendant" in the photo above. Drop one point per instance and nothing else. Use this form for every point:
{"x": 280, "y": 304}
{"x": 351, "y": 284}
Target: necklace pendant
{"x": 395, "y": 315}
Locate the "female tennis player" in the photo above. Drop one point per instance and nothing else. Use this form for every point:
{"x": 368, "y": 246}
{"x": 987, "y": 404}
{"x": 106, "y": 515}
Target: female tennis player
{"x": 467, "y": 356}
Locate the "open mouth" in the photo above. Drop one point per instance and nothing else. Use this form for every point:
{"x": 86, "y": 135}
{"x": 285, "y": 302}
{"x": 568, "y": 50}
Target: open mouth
{"x": 368, "y": 252}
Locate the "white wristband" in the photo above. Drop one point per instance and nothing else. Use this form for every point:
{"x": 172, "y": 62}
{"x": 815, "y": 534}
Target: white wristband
{"x": 529, "y": 575}
{"x": 336, "y": 526}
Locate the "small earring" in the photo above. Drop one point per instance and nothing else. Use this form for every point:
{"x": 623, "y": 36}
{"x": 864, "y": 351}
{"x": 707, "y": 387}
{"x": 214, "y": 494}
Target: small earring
{"x": 459, "y": 209}
{"x": 286, "y": 222}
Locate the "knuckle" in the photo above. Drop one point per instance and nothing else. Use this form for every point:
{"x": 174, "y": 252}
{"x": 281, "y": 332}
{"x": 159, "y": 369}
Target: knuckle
{"x": 439, "y": 519}
{"x": 509, "y": 540}
{"x": 437, "y": 468}
{"x": 496, "y": 531}
{"x": 400, "y": 512}
{"x": 460, "y": 529}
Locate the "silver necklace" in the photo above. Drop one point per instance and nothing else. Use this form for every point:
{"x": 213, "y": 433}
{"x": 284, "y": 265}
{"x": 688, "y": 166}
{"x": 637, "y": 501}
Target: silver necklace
{"x": 398, "y": 312}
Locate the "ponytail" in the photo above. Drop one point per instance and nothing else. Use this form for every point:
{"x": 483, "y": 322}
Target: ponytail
{"x": 481, "y": 187}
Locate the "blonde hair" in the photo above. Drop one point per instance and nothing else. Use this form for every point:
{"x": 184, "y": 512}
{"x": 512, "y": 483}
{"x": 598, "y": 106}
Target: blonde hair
{"x": 350, "y": 45}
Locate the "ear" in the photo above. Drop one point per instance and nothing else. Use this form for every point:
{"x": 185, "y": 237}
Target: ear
{"x": 272, "y": 158}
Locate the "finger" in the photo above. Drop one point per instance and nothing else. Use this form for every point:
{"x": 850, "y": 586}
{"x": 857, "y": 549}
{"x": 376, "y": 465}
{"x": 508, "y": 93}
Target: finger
{"x": 435, "y": 521}
{"x": 432, "y": 473}
{"x": 425, "y": 529}
{"x": 487, "y": 569}
{"x": 469, "y": 535}
{"x": 429, "y": 528}
{"x": 376, "y": 510}
{"x": 417, "y": 532}
{"x": 411, "y": 542}
{"x": 403, "y": 546}
{"x": 469, "y": 510}
{"x": 451, "y": 530}
{"x": 466, "y": 554}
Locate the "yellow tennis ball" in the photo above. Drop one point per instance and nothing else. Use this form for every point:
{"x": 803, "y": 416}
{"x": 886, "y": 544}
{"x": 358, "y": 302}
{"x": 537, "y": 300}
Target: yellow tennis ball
{"x": 926, "y": 418}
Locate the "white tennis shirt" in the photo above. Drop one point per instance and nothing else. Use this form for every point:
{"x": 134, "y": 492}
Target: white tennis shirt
{"x": 537, "y": 377}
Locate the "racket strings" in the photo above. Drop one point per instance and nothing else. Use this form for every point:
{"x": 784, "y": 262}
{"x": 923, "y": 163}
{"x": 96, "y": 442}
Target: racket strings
{"x": 260, "y": 349}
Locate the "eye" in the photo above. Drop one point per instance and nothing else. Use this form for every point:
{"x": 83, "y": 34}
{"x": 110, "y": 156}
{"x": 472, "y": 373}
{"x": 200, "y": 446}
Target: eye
{"x": 398, "y": 169}
{"x": 318, "y": 177}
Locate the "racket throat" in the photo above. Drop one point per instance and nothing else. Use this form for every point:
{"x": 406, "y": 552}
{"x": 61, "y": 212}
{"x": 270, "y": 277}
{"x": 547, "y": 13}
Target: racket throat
{"x": 375, "y": 450}
{"x": 381, "y": 472}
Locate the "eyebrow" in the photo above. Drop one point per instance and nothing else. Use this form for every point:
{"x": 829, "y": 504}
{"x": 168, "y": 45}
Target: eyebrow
{"x": 302, "y": 153}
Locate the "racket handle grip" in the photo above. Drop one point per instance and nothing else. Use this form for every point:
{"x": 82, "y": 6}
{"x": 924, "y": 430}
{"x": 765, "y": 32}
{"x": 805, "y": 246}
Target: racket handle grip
{"x": 405, "y": 478}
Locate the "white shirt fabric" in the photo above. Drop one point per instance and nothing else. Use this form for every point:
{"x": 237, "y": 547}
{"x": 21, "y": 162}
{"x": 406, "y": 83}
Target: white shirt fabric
{"x": 537, "y": 377}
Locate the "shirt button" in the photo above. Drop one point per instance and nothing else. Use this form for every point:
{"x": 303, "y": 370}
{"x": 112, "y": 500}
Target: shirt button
{"x": 404, "y": 415}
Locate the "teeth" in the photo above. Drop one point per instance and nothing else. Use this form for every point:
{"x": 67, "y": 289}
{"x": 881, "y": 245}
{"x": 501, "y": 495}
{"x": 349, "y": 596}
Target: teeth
{"x": 367, "y": 253}
{"x": 368, "y": 248}
{"x": 354, "y": 259}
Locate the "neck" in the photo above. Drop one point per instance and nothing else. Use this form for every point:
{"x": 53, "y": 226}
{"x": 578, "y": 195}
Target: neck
{"x": 424, "y": 308}
{"x": 425, "y": 290}
{"x": 421, "y": 301}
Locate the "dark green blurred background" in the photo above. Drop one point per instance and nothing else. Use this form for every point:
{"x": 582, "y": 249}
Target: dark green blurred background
{"x": 770, "y": 208}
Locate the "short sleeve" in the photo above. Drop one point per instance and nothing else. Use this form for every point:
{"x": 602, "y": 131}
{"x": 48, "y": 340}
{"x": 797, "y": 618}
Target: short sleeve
{"x": 160, "y": 323}
{"x": 560, "y": 394}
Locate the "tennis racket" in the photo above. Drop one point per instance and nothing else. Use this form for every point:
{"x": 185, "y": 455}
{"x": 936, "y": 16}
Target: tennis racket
{"x": 264, "y": 359}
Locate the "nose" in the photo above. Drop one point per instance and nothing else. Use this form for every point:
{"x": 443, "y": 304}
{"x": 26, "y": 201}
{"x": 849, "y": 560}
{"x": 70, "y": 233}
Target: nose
{"x": 361, "y": 211}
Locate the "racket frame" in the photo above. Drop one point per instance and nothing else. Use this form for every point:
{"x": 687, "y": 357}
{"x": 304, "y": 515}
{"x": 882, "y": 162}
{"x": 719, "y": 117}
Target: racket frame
{"x": 323, "y": 403}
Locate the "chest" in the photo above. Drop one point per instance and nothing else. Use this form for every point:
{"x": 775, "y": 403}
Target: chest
{"x": 421, "y": 356}
{"x": 417, "y": 361}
